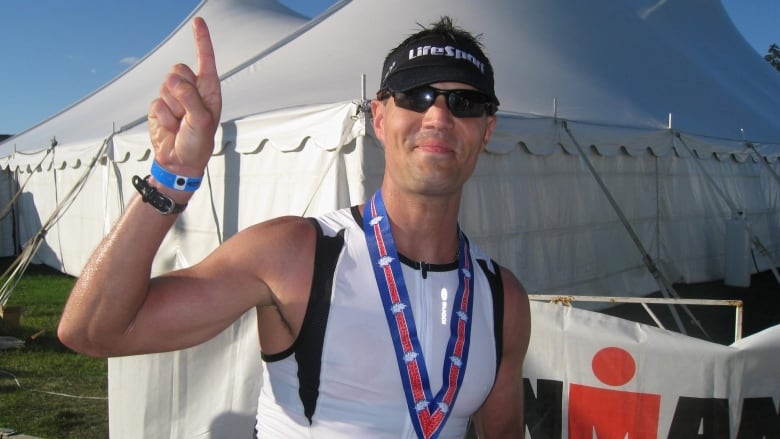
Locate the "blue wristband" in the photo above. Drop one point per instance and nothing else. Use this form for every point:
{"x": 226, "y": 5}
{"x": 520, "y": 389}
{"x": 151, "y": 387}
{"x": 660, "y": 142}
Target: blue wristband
{"x": 173, "y": 181}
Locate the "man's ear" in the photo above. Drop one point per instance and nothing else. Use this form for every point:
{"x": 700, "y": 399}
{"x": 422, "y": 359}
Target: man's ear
{"x": 491, "y": 126}
{"x": 378, "y": 109}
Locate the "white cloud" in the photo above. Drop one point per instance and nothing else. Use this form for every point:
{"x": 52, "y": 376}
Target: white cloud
{"x": 128, "y": 60}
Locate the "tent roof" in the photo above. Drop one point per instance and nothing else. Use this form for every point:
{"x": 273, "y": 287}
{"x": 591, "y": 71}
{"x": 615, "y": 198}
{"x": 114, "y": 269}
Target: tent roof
{"x": 628, "y": 63}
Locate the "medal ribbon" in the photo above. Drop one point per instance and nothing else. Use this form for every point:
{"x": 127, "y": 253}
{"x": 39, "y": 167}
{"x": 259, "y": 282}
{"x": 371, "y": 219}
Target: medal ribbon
{"x": 428, "y": 413}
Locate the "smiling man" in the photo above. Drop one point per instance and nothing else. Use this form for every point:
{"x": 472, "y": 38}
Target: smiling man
{"x": 380, "y": 320}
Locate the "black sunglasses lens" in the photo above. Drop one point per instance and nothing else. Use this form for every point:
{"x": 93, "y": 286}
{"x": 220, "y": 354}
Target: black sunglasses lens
{"x": 462, "y": 103}
{"x": 418, "y": 99}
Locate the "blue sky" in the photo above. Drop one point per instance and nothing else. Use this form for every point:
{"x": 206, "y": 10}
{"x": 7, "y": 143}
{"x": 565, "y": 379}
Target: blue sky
{"x": 45, "y": 69}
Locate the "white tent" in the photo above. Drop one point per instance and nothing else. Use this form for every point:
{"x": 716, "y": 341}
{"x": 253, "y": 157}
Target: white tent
{"x": 663, "y": 103}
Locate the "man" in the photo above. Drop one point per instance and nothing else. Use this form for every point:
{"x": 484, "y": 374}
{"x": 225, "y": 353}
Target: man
{"x": 378, "y": 321}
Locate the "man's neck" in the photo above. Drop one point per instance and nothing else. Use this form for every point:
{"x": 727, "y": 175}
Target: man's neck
{"x": 424, "y": 228}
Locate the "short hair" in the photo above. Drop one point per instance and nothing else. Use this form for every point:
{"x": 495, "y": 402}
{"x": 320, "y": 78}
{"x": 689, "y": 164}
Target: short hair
{"x": 440, "y": 52}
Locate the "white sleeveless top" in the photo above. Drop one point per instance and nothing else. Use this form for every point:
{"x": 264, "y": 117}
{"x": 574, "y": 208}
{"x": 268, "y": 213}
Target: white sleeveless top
{"x": 345, "y": 362}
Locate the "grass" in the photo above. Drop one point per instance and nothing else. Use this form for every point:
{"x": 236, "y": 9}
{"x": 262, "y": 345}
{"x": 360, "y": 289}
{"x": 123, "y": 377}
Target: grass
{"x": 34, "y": 379}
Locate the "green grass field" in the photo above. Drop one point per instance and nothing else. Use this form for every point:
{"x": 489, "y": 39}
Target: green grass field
{"x": 46, "y": 390}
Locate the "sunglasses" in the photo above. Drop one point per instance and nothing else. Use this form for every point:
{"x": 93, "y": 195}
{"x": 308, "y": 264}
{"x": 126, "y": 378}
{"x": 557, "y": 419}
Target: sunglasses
{"x": 462, "y": 103}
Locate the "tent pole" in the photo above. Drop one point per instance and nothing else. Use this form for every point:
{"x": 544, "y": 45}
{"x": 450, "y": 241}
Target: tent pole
{"x": 14, "y": 211}
{"x": 754, "y": 240}
{"x": 657, "y": 207}
{"x": 16, "y": 223}
{"x": 663, "y": 283}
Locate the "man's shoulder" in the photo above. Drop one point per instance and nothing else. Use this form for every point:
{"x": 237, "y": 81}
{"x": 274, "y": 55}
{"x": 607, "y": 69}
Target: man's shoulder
{"x": 510, "y": 284}
{"x": 479, "y": 254}
{"x": 334, "y": 221}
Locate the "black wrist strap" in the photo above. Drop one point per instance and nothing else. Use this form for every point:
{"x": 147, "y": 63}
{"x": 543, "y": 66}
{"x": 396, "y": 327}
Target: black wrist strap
{"x": 161, "y": 202}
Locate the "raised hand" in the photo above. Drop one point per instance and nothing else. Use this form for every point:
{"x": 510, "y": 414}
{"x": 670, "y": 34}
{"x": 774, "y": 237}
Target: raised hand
{"x": 184, "y": 118}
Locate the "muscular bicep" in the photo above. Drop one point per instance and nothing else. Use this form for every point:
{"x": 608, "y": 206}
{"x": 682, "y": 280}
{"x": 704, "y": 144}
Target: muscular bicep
{"x": 502, "y": 413}
{"x": 186, "y": 307}
{"x": 190, "y": 306}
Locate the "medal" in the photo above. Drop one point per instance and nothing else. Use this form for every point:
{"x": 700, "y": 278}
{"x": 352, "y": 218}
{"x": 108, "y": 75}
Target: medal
{"x": 428, "y": 412}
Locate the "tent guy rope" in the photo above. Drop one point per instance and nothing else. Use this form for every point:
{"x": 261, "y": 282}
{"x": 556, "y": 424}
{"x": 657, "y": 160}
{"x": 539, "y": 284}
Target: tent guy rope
{"x": 13, "y": 274}
{"x": 666, "y": 287}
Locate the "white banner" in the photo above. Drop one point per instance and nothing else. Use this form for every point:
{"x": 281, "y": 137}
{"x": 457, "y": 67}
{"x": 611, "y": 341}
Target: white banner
{"x": 589, "y": 375}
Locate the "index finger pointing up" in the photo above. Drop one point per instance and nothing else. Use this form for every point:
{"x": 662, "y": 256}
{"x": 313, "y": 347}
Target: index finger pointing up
{"x": 207, "y": 65}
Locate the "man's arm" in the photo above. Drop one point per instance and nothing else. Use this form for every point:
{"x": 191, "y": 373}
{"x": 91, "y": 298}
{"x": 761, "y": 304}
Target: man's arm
{"x": 115, "y": 308}
{"x": 501, "y": 416}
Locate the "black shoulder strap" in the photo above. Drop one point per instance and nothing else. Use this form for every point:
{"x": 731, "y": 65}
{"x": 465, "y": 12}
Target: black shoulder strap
{"x": 497, "y": 291}
{"x": 308, "y": 346}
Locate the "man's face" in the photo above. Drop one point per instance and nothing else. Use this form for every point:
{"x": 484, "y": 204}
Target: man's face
{"x": 433, "y": 152}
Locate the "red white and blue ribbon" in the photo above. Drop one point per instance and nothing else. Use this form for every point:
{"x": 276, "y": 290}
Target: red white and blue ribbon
{"x": 428, "y": 412}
